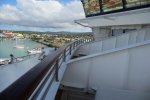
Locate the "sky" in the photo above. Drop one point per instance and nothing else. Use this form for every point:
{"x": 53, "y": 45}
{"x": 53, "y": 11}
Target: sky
{"x": 41, "y": 15}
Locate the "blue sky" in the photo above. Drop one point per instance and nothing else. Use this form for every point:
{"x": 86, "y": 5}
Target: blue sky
{"x": 11, "y": 2}
{"x": 64, "y": 1}
{"x": 52, "y": 15}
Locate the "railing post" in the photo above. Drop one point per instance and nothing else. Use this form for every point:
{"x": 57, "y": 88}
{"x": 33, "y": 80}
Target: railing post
{"x": 56, "y": 70}
{"x": 92, "y": 39}
{"x": 70, "y": 49}
{"x": 64, "y": 55}
{"x": 77, "y": 43}
{"x": 73, "y": 45}
{"x": 84, "y": 40}
{"x": 80, "y": 41}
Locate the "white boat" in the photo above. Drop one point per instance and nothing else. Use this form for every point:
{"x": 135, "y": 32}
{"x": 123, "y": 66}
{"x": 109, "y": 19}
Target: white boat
{"x": 35, "y": 50}
{"x": 4, "y": 61}
{"x": 18, "y": 47}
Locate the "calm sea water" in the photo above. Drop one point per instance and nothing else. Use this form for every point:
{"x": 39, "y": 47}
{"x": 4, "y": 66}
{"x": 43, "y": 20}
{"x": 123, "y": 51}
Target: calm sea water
{"x": 6, "y": 48}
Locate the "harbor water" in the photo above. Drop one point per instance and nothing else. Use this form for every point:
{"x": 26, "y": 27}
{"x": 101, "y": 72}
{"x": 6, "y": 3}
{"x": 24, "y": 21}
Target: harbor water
{"x": 7, "y": 48}
{"x": 14, "y": 71}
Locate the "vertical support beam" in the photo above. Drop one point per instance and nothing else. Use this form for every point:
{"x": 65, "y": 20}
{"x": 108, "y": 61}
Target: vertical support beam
{"x": 70, "y": 49}
{"x": 124, "y": 31}
{"x": 64, "y": 55}
{"x": 80, "y": 42}
{"x": 84, "y": 40}
{"x": 124, "y": 3}
{"x": 101, "y": 6}
{"x": 93, "y": 39}
{"x": 56, "y": 70}
{"x": 73, "y": 45}
{"x": 77, "y": 43}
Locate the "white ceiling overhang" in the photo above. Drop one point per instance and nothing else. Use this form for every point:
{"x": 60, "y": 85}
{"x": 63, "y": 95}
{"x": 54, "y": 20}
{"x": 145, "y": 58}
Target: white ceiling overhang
{"x": 134, "y": 17}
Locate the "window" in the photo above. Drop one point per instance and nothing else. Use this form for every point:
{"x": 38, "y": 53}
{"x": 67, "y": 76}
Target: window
{"x": 94, "y": 6}
{"x": 131, "y": 3}
{"x": 110, "y": 5}
{"x": 91, "y": 6}
{"x": 86, "y": 6}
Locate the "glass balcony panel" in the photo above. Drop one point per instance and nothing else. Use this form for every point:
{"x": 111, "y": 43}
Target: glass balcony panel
{"x": 110, "y": 5}
{"x": 91, "y": 6}
{"x": 134, "y": 3}
{"x": 86, "y": 6}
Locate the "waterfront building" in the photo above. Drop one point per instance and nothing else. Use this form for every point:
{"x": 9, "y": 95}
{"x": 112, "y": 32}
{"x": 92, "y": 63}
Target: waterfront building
{"x": 116, "y": 66}
{"x": 19, "y": 35}
{"x": 9, "y": 34}
{"x": 2, "y": 36}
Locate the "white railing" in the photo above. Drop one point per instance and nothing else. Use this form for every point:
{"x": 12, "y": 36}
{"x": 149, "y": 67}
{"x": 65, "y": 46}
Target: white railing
{"x": 115, "y": 42}
{"x": 124, "y": 68}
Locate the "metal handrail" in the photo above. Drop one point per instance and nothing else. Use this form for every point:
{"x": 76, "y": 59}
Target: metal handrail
{"x": 31, "y": 83}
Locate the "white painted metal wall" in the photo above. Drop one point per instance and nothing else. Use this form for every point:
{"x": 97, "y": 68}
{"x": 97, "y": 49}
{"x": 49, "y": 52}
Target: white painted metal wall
{"x": 123, "y": 40}
{"x": 126, "y": 69}
{"x": 101, "y": 33}
{"x": 118, "y": 67}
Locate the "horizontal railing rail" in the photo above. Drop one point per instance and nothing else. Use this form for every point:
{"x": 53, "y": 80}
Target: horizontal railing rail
{"x": 30, "y": 85}
{"x": 110, "y": 37}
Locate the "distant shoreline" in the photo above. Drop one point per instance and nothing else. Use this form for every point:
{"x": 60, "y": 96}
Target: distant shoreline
{"x": 46, "y": 44}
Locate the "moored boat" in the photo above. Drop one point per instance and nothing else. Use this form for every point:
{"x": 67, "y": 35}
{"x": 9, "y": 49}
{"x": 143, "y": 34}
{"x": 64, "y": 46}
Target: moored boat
{"x": 18, "y": 47}
{"x": 4, "y": 61}
{"x": 35, "y": 50}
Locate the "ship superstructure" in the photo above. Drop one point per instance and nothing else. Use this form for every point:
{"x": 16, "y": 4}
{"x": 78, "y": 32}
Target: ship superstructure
{"x": 112, "y": 65}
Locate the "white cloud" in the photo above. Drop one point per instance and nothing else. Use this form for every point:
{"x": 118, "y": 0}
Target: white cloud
{"x": 49, "y": 14}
